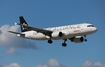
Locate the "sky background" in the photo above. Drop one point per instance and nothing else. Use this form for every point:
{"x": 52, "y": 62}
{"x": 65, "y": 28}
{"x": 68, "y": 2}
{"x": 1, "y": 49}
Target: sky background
{"x": 19, "y": 52}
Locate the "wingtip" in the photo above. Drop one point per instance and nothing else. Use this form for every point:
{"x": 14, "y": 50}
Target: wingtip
{"x": 15, "y": 23}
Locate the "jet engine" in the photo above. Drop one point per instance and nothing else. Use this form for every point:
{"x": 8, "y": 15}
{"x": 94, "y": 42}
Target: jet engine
{"x": 77, "y": 39}
{"x": 57, "y": 34}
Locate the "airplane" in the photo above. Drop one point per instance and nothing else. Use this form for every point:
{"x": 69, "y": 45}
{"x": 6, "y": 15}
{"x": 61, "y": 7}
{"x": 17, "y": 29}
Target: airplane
{"x": 75, "y": 33}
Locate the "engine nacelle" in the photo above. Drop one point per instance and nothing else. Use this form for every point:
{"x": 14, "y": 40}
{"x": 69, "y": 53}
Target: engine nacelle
{"x": 57, "y": 34}
{"x": 77, "y": 39}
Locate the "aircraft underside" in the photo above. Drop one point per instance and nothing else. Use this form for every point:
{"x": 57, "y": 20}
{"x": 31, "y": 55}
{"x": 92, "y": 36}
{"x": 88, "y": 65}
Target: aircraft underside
{"x": 77, "y": 38}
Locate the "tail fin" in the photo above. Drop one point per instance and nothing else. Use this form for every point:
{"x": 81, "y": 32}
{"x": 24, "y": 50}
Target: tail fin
{"x": 23, "y": 22}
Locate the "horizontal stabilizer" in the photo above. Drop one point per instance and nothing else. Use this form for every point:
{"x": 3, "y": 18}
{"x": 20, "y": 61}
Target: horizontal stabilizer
{"x": 16, "y": 33}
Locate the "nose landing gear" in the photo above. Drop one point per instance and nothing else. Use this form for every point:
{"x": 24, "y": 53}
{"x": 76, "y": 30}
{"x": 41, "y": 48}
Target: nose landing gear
{"x": 85, "y": 38}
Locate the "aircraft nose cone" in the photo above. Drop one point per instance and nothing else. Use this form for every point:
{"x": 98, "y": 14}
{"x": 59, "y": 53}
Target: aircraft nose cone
{"x": 95, "y": 29}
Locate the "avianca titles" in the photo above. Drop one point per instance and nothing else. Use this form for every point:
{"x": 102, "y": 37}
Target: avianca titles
{"x": 75, "y": 33}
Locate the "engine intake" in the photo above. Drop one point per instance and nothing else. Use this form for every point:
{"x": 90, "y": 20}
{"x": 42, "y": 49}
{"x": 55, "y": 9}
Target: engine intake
{"x": 57, "y": 34}
{"x": 60, "y": 34}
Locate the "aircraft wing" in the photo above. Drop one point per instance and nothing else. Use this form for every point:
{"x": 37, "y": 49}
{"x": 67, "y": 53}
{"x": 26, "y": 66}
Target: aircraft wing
{"x": 46, "y": 32}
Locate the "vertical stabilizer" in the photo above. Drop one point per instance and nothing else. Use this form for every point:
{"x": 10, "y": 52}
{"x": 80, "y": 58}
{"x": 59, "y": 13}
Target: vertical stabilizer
{"x": 23, "y": 22}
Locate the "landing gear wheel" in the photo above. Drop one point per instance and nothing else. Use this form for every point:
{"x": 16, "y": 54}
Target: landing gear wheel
{"x": 85, "y": 40}
{"x": 64, "y": 44}
{"x": 50, "y": 41}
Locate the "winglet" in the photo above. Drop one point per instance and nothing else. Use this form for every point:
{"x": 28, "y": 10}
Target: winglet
{"x": 15, "y": 23}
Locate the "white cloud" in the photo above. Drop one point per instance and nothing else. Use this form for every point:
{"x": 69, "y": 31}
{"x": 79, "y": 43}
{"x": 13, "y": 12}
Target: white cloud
{"x": 11, "y": 40}
{"x": 12, "y": 65}
{"x": 51, "y": 63}
{"x": 10, "y": 51}
{"x": 91, "y": 63}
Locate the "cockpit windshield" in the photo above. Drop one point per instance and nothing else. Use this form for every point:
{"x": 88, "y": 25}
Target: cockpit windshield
{"x": 90, "y": 26}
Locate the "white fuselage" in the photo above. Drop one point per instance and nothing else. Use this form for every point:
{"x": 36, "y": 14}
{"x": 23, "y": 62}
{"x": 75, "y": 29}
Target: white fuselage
{"x": 69, "y": 31}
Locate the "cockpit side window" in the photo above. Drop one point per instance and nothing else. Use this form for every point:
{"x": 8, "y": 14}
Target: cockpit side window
{"x": 90, "y": 26}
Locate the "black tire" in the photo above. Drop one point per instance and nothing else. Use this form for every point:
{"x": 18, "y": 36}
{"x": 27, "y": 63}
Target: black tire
{"x": 64, "y": 44}
{"x": 50, "y": 41}
{"x": 85, "y": 40}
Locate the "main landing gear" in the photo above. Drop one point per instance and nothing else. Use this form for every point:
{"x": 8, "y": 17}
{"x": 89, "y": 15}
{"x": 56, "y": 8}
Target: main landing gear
{"x": 50, "y": 41}
{"x": 63, "y": 44}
